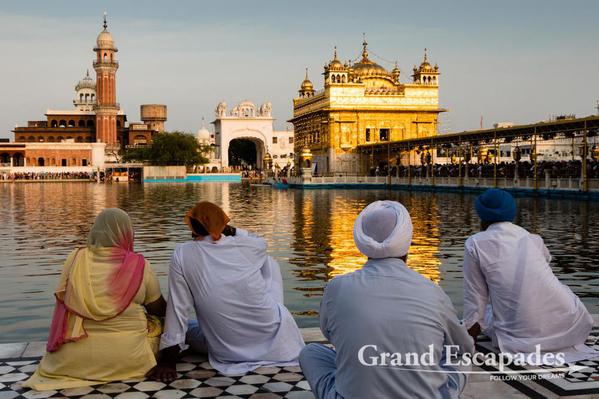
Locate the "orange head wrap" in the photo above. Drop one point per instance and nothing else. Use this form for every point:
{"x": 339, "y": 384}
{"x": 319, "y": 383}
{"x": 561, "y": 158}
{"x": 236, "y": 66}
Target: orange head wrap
{"x": 209, "y": 215}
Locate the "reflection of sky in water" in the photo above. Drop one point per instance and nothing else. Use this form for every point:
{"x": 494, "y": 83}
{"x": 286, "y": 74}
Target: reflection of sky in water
{"x": 308, "y": 231}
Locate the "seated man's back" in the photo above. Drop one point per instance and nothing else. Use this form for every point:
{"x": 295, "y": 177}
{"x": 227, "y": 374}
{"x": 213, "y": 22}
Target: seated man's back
{"x": 529, "y": 304}
{"x": 388, "y": 324}
{"x": 236, "y": 291}
{"x": 510, "y": 291}
{"x": 395, "y": 308}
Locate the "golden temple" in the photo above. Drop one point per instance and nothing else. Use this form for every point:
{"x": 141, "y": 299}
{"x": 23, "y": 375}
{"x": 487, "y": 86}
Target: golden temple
{"x": 362, "y": 103}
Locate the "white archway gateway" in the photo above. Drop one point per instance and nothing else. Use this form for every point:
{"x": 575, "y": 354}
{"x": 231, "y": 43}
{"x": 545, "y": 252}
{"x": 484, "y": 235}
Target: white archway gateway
{"x": 249, "y": 124}
{"x": 244, "y": 149}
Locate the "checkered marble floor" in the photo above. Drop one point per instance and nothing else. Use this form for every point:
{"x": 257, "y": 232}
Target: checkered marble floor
{"x": 581, "y": 382}
{"x": 197, "y": 379}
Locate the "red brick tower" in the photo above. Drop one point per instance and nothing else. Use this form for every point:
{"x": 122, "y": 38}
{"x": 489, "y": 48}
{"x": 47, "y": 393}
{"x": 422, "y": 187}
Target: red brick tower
{"x": 106, "y": 106}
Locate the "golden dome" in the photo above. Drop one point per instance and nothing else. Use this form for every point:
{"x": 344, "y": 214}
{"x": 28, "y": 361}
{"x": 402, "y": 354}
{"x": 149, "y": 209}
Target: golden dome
{"x": 367, "y": 67}
{"x": 335, "y": 65}
{"x": 307, "y": 84}
{"x": 426, "y": 66}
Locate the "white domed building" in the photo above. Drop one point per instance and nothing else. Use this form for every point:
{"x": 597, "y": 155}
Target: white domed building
{"x": 204, "y": 137}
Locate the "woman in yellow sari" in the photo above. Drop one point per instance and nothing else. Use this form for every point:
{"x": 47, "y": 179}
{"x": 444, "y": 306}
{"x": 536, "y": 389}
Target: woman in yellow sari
{"x": 104, "y": 326}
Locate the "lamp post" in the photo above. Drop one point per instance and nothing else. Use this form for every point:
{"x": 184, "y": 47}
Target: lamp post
{"x": 583, "y": 157}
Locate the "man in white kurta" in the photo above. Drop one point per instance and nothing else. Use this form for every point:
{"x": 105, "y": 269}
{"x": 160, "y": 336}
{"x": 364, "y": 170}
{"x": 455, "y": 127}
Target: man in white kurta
{"x": 236, "y": 291}
{"x": 390, "y": 306}
{"x": 510, "y": 291}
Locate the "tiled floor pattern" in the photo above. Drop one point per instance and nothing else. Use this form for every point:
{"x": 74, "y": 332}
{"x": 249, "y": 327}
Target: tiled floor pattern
{"x": 197, "y": 379}
{"x": 580, "y": 382}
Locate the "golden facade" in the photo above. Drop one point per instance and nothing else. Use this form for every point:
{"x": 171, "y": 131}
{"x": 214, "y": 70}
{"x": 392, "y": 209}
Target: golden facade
{"x": 362, "y": 103}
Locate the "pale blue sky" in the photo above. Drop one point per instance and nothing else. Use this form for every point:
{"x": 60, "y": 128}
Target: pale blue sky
{"x": 519, "y": 61}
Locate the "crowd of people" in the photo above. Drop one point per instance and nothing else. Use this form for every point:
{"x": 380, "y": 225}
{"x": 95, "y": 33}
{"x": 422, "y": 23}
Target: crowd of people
{"x": 107, "y": 323}
{"x": 552, "y": 169}
{"x": 47, "y": 176}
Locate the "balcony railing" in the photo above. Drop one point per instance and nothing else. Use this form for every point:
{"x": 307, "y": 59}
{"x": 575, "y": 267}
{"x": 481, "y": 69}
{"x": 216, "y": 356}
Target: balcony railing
{"x": 113, "y": 63}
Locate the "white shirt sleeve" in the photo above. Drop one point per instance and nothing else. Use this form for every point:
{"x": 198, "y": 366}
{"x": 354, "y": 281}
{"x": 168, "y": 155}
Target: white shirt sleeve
{"x": 455, "y": 332}
{"x": 180, "y": 301}
{"x": 323, "y": 311}
{"x": 542, "y": 247}
{"x": 476, "y": 294}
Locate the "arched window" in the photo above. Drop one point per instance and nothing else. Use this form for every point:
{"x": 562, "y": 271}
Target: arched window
{"x": 62, "y": 123}
{"x": 71, "y": 123}
{"x": 50, "y": 139}
{"x": 81, "y": 97}
{"x": 40, "y": 161}
{"x": 105, "y": 56}
{"x": 93, "y": 97}
{"x": 31, "y": 138}
{"x": 40, "y": 139}
{"x": 53, "y": 123}
{"x": 59, "y": 139}
{"x": 18, "y": 159}
{"x": 22, "y": 138}
{"x": 79, "y": 139}
{"x": 86, "y": 97}
{"x": 81, "y": 123}
{"x": 90, "y": 123}
{"x": 343, "y": 79}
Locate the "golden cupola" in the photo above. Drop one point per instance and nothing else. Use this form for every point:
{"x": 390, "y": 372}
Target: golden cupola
{"x": 335, "y": 72}
{"x": 367, "y": 68}
{"x": 426, "y": 74}
{"x": 335, "y": 64}
{"x": 395, "y": 73}
{"x": 307, "y": 88}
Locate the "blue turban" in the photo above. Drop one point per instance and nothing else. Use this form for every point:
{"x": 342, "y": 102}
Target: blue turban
{"x": 495, "y": 205}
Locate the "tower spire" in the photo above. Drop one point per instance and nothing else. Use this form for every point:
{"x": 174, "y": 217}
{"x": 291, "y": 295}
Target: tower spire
{"x": 335, "y": 52}
{"x": 306, "y": 78}
{"x": 364, "y": 47}
{"x": 425, "y": 55}
{"x": 105, "y": 23}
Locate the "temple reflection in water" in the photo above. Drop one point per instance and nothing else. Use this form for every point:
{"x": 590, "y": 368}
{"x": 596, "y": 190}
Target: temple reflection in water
{"x": 324, "y": 228}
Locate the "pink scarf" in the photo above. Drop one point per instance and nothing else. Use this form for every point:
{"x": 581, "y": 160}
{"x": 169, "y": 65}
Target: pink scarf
{"x": 123, "y": 282}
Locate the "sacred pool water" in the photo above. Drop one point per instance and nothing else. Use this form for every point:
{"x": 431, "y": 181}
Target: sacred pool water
{"x": 308, "y": 231}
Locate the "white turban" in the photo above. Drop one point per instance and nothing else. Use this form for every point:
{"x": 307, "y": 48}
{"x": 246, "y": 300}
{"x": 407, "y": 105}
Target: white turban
{"x": 383, "y": 230}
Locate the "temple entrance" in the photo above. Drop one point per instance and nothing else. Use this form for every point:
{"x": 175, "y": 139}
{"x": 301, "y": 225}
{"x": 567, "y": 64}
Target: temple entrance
{"x": 246, "y": 153}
